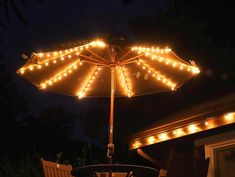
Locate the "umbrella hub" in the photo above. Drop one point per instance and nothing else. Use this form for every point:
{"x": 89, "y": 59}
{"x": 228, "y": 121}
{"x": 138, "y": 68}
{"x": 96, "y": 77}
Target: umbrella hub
{"x": 113, "y": 64}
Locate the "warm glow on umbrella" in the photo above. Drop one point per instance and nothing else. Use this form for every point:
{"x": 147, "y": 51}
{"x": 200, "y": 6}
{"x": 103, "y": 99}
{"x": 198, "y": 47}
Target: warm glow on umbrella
{"x": 101, "y": 69}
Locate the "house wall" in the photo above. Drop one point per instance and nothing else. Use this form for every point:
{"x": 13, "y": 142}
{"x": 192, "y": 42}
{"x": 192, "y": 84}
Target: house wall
{"x": 220, "y": 148}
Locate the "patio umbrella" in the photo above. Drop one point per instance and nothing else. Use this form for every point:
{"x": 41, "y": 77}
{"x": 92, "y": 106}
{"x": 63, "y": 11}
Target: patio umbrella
{"x": 102, "y": 69}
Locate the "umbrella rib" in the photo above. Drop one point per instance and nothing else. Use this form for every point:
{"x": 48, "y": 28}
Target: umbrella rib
{"x": 129, "y": 62}
{"x": 132, "y": 58}
{"x": 126, "y": 54}
{"x": 91, "y": 62}
{"x": 101, "y": 58}
{"x": 98, "y": 62}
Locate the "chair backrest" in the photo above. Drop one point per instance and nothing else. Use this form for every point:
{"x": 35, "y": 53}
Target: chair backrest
{"x": 53, "y": 169}
{"x": 201, "y": 167}
{"x": 180, "y": 165}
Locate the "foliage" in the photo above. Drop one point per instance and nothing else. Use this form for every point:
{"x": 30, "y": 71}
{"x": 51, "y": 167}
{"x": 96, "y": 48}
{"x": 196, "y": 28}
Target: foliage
{"x": 12, "y": 106}
{"x": 25, "y": 166}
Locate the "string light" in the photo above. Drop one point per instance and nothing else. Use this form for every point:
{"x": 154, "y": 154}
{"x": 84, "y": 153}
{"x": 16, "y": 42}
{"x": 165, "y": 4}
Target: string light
{"x": 151, "y": 140}
{"x": 198, "y": 126}
{"x": 153, "y": 49}
{"x": 136, "y": 145}
{"x": 59, "y": 76}
{"x": 124, "y": 82}
{"x": 72, "y": 51}
{"x": 163, "y": 136}
{"x": 178, "y": 132}
{"x": 229, "y": 116}
{"x": 87, "y": 86}
{"x": 22, "y": 71}
{"x": 158, "y": 76}
{"x": 192, "y": 128}
{"x": 155, "y": 54}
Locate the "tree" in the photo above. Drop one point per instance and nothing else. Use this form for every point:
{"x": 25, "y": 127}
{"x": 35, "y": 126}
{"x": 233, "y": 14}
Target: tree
{"x": 12, "y": 106}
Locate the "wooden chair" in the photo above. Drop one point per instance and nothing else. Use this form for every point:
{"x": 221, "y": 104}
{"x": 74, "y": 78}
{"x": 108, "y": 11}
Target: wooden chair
{"x": 53, "y": 169}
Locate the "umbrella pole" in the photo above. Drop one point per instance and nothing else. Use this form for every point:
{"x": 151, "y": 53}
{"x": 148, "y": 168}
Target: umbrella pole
{"x": 110, "y": 146}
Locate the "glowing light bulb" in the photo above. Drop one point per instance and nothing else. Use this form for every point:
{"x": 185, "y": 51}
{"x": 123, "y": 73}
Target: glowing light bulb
{"x": 195, "y": 70}
{"x": 192, "y": 128}
{"x": 22, "y": 71}
{"x": 43, "y": 86}
{"x": 40, "y": 55}
{"x": 163, "y": 136}
{"x": 31, "y": 68}
{"x": 39, "y": 66}
{"x": 229, "y": 116}
{"x": 151, "y": 140}
{"x": 136, "y": 144}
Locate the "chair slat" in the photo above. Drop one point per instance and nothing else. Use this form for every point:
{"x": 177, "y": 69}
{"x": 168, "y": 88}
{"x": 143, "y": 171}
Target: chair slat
{"x": 53, "y": 169}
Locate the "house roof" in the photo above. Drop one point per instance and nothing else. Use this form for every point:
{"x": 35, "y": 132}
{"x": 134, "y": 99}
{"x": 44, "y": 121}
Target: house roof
{"x": 213, "y": 110}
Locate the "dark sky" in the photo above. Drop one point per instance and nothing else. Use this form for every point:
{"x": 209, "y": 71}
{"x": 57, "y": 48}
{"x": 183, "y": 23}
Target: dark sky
{"x": 53, "y": 23}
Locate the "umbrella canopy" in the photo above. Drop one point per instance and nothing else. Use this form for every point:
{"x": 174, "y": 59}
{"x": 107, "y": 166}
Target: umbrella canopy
{"x": 85, "y": 70}
{"x": 100, "y": 69}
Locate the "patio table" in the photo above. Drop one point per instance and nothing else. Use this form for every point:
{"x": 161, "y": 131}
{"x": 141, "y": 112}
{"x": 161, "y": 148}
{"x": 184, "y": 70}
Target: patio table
{"x": 114, "y": 170}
